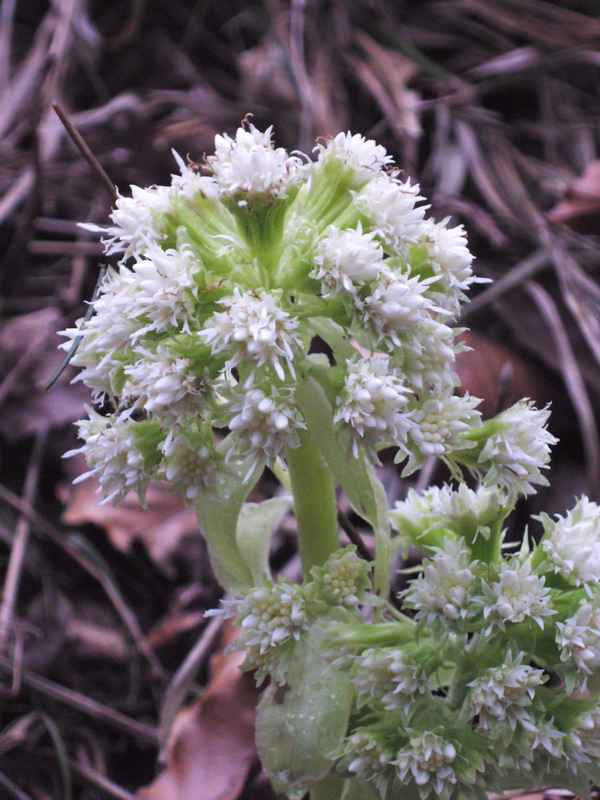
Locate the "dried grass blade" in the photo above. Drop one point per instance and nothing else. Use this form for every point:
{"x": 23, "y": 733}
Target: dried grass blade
{"x": 573, "y": 380}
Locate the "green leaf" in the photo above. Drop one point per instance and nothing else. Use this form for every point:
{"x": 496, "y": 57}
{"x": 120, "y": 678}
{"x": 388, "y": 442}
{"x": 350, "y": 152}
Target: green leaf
{"x": 253, "y": 534}
{"x": 334, "y": 335}
{"x": 301, "y": 723}
{"x": 356, "y": 476}
{"x": 355, "y": 790}
{"x": 218, "y": 508}
{"x": 592, "y": 771}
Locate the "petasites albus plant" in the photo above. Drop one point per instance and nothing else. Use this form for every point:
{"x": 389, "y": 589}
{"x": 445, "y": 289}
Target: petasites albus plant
{"x": 483, "y": 674}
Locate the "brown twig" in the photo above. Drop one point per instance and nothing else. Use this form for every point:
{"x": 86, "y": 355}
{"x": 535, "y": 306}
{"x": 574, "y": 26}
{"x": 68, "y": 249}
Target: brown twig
{"x": 83, "y": 703}
{"x": 12, "y": 788}
{"x": 85, "y": 151}
{"x": 17, "y": 554}
{"x": 185, "y": 675}
{"x": 127, "y": 616}
{"x": 354, "y": 535}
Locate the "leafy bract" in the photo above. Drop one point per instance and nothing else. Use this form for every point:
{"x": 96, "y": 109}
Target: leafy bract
{"x": 301, "y": 723}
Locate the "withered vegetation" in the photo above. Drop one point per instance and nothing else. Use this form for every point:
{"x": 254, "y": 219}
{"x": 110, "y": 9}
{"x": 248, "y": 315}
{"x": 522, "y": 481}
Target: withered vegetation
{"x": 493, "y": 105}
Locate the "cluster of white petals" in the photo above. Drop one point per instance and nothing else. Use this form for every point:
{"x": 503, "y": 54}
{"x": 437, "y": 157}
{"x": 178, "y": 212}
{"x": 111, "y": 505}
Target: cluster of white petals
{"x": 269, "y": 615}
{"x": 389, "y": 677}
{"x": 517, "y": 594}
{"x": 397, "y": 304}
{"x": 252, "y": 328}
{"x": 572, "y": 543}
{"x": 164, "y": 289}
{"x": 137, "y": 220}
{"x": 579, "y": 637}
{"x": 363, "y": 156}
{"x": 391, "y": 205}
{"x": 583, "y": 742}
{"x": 160, "y": 381}
{"x": 428, "y": 759}
{"x": 428, "y": 357}
{"x": 248, "y": 165}
{"x": 342, "y": 578}
{"x": 442, "y": 593}
{"x": 503, "y": 693}
{"x": 267, "y": 422}
{"x": 373, "y": 403}
{"x": 520, "y": 449}
{"x": 348, "y": 258}
{"x": 440, "y": 420}
{"x": 189, "y": 463}
{"x": 113, "y": 456}
{"x": 368, "y": 756}
{"x": 452, "y": 259}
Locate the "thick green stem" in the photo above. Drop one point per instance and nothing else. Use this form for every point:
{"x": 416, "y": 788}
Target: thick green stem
{"x": 314, "y": 503}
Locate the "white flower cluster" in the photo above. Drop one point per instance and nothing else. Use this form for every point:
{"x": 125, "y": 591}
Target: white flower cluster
{"x": 517, "y": 593}
{"x": 443, "y": 594}
{"x": 389, "y": 677}
{"x": 248, "y": 166}
{"x": 252, "y": 329}
{"x": 504, "y": 693}
{"x": 428, "y": 759}
{"x": 572, "y": 543}
{"x": 579, "y": 637}
{"x": 516, "y": 453}
{"x": 224, "y": 278}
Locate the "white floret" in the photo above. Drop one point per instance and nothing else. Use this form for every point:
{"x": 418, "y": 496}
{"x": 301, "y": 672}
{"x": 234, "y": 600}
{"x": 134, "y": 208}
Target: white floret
{"x": 373, "y": 403}
{"x": 572, "y": 543}
{"x": 347, "y": 259}
{"x": 248, "y": 166}
{"x": 520, "y": 448}
{"x": 252, "y": 328}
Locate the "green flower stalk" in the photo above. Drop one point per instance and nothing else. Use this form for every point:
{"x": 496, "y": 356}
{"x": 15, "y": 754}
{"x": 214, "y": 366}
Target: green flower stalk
{"x": 483, "y": 674}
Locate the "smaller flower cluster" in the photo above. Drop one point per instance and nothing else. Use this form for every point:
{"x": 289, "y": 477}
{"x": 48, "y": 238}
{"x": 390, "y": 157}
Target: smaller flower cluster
{"x": 467, "y": 694}
{"x": 275, "y": 615}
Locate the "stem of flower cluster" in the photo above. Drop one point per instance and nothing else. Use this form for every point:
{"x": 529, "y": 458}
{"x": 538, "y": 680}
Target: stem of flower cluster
{"x": 315, "y": 507}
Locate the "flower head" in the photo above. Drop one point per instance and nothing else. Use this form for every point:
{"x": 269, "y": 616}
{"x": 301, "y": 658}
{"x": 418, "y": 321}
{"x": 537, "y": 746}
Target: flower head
{"x": 264, "y": 423}
{"x": 159, "y": 381}
{"x": 248, "y": 166}
{"x": 254, "y": 329}
{"x": 189, "y": 459}
{"x": 366, "y": 158}
{"x": 517, "y": 594}
{"x": 428, "y": 759}
{"x": 579, "y": 637}
{"x": 389, "y": 677}
{"x": 116, "y": 452}
{"x": 373, "y": 403}
{"x": 503, "y": 693}
{"x": 346, "y": 259}
{"x": 439, "y": 421}
{"x": 443, "y": 593}
{"x": 138, "y": 220}
{"x": 391, "y": 205}
{"x": 572, "y": 543}
{"x": 397, "y": 304}
{"x": 518, "y": 449}
{"x": 342, "y": 580}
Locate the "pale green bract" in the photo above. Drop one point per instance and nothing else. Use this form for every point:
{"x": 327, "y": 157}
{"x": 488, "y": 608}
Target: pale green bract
{"x": 275, "y": 310}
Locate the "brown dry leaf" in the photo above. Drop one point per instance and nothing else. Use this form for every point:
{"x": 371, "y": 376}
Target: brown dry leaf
{"x": 160, "y": 526}
{"x": 580, "y": 208}
{"x": 211, "y": 748}
{"x": 499, "y": 376}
